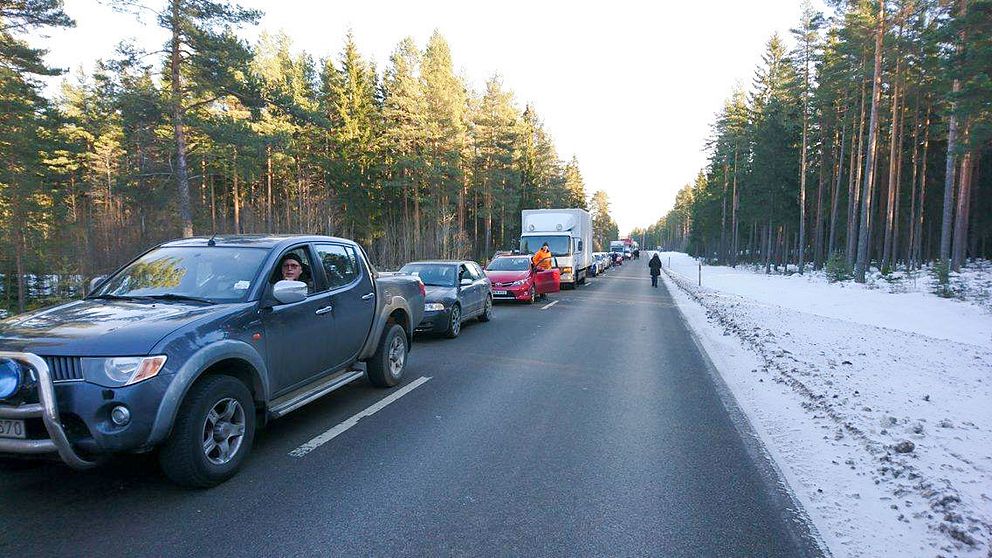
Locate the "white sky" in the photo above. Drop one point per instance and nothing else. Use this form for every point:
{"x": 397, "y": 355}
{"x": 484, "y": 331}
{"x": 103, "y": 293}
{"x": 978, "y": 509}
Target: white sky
{"x": 630, "y": 88}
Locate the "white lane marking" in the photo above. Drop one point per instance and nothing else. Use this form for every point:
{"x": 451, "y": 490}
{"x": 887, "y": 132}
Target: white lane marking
{"x": 549, "y": 305}
{"x": 344, "y": 426}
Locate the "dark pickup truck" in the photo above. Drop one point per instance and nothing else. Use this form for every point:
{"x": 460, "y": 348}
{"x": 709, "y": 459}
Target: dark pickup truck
{"x": 195, "y": 343}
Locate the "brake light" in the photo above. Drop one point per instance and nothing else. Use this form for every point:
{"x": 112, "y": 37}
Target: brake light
{"x": 423, "y": 289}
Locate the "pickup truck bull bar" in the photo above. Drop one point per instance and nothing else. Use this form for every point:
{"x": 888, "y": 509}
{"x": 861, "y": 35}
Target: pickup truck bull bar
{"x": 48, "y": 410}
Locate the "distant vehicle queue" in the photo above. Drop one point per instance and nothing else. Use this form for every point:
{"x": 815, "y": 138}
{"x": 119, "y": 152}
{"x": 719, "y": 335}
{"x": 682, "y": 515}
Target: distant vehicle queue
{"x": 555, "y": 252}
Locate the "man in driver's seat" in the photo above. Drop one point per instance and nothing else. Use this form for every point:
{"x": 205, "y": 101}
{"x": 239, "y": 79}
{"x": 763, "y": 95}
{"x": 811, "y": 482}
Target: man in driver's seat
{"x": 293, "y": 269}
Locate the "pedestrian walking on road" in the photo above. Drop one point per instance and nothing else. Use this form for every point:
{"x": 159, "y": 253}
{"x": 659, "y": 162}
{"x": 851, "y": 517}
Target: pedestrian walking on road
{"x": 655, "y": 265}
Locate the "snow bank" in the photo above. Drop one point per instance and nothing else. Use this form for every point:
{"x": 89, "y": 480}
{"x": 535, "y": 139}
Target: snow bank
{"x": 915, "y": 309}
{"x": 882, "y": 427}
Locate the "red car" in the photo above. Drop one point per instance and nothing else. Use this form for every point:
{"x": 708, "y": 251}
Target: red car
{"x": 514, "y": 278}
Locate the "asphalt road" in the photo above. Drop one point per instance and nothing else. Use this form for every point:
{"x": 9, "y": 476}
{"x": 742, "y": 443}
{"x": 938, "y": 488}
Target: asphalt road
{"x": 590, "y": 427}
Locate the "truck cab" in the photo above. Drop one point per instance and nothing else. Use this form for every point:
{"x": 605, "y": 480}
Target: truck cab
{"x": 568, "y": 233}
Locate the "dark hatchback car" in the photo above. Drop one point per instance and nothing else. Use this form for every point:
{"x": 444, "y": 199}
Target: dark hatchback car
{"x": 456, "y": 291}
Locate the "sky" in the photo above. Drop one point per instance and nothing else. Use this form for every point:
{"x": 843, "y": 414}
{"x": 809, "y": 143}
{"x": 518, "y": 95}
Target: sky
{"x": 629, "y": 88}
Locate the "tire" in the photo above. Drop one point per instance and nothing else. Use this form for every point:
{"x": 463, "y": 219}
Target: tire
{"x": 454, "y": 322}
{"x": 382, "y": 367}
{"x": 487, "y": 312}
{"x": 533, "y": 295}
{"x": 581, "y": 280}
{"x": 184, "y": 457}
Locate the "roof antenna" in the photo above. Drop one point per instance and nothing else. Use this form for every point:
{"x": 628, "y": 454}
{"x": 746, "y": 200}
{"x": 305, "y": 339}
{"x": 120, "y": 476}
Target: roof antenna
{"x": 211, "y": 242}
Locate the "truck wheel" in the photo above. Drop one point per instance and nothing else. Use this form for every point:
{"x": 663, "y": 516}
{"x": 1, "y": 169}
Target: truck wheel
{"x": 487, "y": 312}
{"x": 385, "y": 368}
{"x": 213, "y": 433}
{"x": 454, "y": 322}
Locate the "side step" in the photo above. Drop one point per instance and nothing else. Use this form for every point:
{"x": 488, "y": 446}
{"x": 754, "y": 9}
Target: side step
{"x": 306, "y": 394}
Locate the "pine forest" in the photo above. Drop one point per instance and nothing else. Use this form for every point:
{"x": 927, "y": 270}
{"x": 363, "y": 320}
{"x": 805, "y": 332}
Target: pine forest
{"x": 866, "y": 144}
{"x": 213, "y": 135}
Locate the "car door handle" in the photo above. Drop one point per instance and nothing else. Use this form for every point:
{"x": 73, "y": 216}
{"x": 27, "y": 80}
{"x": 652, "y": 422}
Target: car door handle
{"x": 368, "y": 296}
{"x": 324, "y": 310}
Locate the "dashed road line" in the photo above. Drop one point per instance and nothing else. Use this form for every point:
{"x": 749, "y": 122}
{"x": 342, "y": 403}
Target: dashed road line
{"x": 344, "y": 426}
{"x": 549, "y": 305}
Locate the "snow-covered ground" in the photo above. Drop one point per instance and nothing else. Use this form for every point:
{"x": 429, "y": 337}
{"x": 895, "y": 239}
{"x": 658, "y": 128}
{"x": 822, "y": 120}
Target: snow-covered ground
{"x": 876, "y": 405}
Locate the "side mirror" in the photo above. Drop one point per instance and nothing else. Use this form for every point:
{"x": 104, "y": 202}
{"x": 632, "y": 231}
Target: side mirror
{"x": 466, "y": 282}
{"x": 288, "y": 292}
{"x": 94, "y": 282}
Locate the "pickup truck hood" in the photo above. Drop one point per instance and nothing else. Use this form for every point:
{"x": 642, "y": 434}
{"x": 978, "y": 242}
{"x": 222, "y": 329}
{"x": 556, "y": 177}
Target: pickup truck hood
{"x": 98, "y": 327}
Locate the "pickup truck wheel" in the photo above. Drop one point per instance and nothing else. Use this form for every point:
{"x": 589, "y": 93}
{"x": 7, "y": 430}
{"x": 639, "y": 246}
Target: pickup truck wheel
{"x": 454, "y": 322}
{"x": 213, "y": 433}
{"x": 487, "y": 312}
{"x": 385, "y": 368}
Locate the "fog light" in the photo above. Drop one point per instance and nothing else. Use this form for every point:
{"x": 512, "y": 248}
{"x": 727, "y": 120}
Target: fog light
{"x": 120, "y": 415}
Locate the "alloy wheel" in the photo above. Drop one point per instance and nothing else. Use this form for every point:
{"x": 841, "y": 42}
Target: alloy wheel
{"x": 397, "y": 356}
{"x": 223, "y": 431}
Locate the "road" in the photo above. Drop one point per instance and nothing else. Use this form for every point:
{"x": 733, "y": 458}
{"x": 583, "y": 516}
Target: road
{"x": 590, "y": 427}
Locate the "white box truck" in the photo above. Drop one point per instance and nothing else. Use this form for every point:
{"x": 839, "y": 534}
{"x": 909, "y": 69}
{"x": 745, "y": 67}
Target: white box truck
{"x": 568, "y": 233}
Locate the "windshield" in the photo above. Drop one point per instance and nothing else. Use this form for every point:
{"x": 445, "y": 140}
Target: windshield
{"x": 434, "y": 275}
{"x": 558, "y": 244}
{"x": 218, "y": 274}
{"x": 509, "y": 264}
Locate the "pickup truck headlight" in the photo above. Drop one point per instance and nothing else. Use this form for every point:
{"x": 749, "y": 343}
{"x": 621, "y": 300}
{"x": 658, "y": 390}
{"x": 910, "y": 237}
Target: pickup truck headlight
{"x": 121, "y": 371}
{"x": 434, "y": 307}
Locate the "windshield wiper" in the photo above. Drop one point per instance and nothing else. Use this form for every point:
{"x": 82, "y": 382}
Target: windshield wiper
{"x": 181, "y": 297}
{"x": 115, "y": 297}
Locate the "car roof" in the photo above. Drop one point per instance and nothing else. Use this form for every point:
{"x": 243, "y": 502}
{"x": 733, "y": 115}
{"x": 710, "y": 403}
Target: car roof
{"x": 439, "y": 262}
{"x": 254, "y": 240}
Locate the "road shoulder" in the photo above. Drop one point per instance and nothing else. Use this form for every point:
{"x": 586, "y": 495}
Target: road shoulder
{"x": 832, "y": 467}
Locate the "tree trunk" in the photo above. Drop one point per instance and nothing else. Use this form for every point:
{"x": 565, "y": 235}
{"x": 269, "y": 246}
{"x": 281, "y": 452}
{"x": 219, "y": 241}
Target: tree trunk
{"x": 914, "y": 162}
{"x": 890, "y": 205}
{"x": 733, "y": 211}
{"x": 854, "y": 194}
{"x": 861, "y": 264}
{"x": 182, "y": 176}
{"x": 952, "y": 147}
{"x": 723, "y": 216}
{"x": 959, "y": 251}
{"x": 268, "y": 189}
{"x": 835, "y": 198}
{"x": 235, "y": 194}
{"x": 918, "y": 257}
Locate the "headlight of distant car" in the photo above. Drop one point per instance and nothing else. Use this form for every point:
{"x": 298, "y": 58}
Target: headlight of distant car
{"x": 121, "y": 371}
{"x": 518, "y": 282}
{"x": 434, "y": 307}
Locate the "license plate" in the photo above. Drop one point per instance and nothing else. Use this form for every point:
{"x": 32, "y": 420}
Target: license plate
{"x": 499, "y": 293}
{"x": 11, "y": 428}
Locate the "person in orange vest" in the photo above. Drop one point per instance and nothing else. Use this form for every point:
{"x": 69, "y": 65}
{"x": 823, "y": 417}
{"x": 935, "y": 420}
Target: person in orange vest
{"x": 542, "y": 259}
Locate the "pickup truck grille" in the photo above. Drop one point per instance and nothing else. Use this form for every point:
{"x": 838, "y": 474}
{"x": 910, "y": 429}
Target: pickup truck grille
{"x": 64, "y": 368}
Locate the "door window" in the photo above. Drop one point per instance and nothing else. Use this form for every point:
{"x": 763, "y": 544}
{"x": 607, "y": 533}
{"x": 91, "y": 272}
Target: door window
{"x": 475, "y": 271}
{"x": 294, "y": 265}
{"x": 339, "y": 263}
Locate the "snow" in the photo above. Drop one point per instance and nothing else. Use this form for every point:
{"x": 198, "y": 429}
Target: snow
{"x": 834, "y": 377}
{"x": 915, "y": 309}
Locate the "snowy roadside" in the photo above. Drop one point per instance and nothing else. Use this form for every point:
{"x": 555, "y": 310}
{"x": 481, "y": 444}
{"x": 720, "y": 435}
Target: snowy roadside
{"x": 885, "y": 435}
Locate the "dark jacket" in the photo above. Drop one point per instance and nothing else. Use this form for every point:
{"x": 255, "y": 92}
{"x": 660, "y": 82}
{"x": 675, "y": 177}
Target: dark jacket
{"x": 655, "y": 265}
